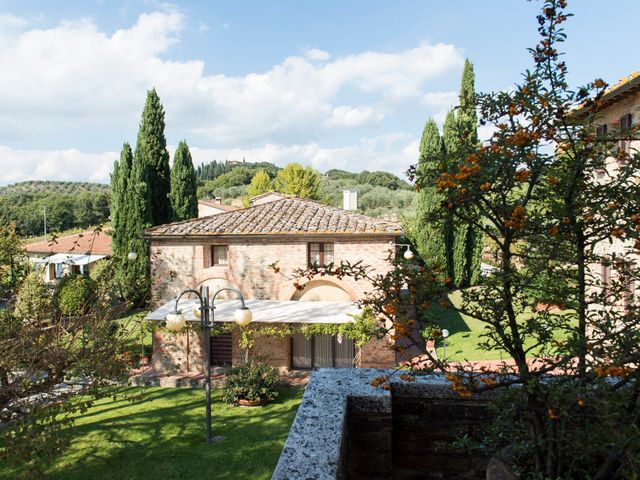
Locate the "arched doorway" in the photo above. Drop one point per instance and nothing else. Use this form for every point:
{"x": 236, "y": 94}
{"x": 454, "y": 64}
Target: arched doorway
{"x": 322, "y": 350}
{"x": 322, "y": 290}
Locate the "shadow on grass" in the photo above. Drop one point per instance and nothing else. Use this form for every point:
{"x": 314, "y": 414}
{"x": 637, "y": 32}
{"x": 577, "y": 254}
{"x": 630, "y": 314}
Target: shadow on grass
{"x": 450, "y": 319}
{"x": 163, "y": 437}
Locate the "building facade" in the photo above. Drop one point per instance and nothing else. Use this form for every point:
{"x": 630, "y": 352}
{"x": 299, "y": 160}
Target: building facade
{"x": 257, "y": 250}
{"x": 619, "y": 115}
{"x": 71, "y": 254}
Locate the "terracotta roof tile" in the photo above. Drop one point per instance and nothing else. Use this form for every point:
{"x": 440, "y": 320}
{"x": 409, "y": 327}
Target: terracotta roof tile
{"x": 289, "y": 216}
{"x": 85, "y": 243}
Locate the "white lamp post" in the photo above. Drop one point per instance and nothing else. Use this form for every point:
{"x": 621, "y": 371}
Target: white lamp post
{"x": 176, "y": 322}
{"x": 445, "y": 334}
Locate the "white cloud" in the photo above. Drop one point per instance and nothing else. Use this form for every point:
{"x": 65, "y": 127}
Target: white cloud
{"x": 440, "y": 100}
{"x": 225, "y": 25}
{"x": 74, "y": 73}
{"x": 315, "y": 54}
{"x": 393, "y": 152}
{"x": 8, "y": 22}
{"x": 64, "y": 165}
{"x": 75, "y": 79}
{"x": 350, "y": 117}
{"x": 203, "y": 27}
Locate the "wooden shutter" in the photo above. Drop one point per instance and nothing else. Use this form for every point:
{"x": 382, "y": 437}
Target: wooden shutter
{"x": 625, "y": 126}
{"x": 344, "y": 352}
{"x": 625, "y": 122}
{"x": 605, "y": 274}
{"x": 221, "y": 350}
{"x": 601, "y": 131}
{"x": 301, "y": 352}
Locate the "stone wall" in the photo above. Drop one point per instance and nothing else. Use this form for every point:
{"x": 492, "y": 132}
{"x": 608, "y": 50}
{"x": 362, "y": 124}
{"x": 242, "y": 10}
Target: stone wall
{"x": 273, "y": 350}
{"x": 182, "y": 263}
{"x": 346, "y": 429}
{"x": 178, "y": 352}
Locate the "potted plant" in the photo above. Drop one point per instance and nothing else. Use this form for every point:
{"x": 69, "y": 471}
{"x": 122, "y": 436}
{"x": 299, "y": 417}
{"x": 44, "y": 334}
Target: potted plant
{"x": 251, "y": 384}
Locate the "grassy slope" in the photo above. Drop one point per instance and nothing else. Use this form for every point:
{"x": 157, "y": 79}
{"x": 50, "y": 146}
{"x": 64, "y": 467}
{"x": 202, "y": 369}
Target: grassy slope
{"x": 465, "y": 334}
{"x": 162, "y": 437}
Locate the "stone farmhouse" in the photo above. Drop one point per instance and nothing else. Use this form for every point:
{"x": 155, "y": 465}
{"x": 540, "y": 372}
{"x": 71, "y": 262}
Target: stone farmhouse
{"x": 240, "y": 249}
{"x": 69, "y": 254}
{"x": 621, "y": 112}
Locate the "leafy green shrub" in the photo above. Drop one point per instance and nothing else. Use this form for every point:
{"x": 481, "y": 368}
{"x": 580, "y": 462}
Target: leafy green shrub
{"x": 253, "y": 381}
{"x": 75, "y": 293}
{"x": 34, "y": 302}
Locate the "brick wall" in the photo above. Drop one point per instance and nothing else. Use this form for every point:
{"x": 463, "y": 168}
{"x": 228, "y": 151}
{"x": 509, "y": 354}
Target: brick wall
{"x": 178, "y": 353}
{"x": 180, "y": 264}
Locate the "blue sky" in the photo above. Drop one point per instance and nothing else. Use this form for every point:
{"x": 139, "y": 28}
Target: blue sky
{"x": 333, "y": 84}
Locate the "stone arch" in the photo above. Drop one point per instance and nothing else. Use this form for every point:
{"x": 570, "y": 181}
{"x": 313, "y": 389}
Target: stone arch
{"x": 324, "y": 290}
{"x": 216, "y": 283}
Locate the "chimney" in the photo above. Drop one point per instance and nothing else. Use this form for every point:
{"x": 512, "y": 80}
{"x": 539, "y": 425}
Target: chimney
{"x": 350, "y": 200}
{"x": 218, "y": 200}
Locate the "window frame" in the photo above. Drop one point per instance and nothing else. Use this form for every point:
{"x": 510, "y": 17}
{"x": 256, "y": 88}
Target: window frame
{"x": 312, "y": 340}
{"x": 322, "y": 251}
{"x": 212, "y": 255}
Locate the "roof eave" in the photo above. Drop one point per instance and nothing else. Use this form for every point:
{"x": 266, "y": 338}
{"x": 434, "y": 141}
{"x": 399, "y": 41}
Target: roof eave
{"x": 263, "y": 236}
{"x": 609, "y": 98}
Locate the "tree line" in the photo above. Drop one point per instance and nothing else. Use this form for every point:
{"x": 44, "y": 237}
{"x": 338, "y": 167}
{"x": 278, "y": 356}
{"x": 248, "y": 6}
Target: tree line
{"x": 25, "y": 208}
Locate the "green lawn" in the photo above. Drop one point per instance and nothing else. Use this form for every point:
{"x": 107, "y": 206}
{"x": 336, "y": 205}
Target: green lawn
{"x": 162, "y": 437}
{"x": 135, "y": 332}
{"x": 465, "y": 334}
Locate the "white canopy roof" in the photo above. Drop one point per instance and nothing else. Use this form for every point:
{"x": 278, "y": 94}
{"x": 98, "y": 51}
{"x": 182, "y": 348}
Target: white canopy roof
{"x": 71, "y": 259}
{"x": 268, "y": 311}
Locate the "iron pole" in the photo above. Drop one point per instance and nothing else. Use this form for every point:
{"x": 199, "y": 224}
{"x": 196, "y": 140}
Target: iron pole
{"x": 207, "y": 361}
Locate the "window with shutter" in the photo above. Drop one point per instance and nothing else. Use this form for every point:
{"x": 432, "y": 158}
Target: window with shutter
{"x": 605, "y": 274}
{"x": 625, "y": 126}
{"x": 629, "y": 295}
{"x": 601, "y": 131}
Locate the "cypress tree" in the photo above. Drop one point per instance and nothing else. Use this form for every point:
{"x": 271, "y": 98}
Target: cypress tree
{"x": 135, "y": 275}
{"x": 118, "y": 207}
{"x": 184, "y": 204}
{"x": 450, "y": 143}
{"x": 467, "y": 249}
{"x": 450, "y": 133}
{"x": 429, "y": 235}
{"x": 151, "y": 152}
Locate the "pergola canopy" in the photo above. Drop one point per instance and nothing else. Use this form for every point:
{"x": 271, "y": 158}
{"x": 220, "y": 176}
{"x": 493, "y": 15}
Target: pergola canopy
{"x": 267, "y": 311}
{"x": 71, "y": 259}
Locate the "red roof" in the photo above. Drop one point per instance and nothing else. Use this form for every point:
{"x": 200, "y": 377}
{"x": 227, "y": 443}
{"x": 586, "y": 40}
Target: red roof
{"x": 85, "y": 243}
